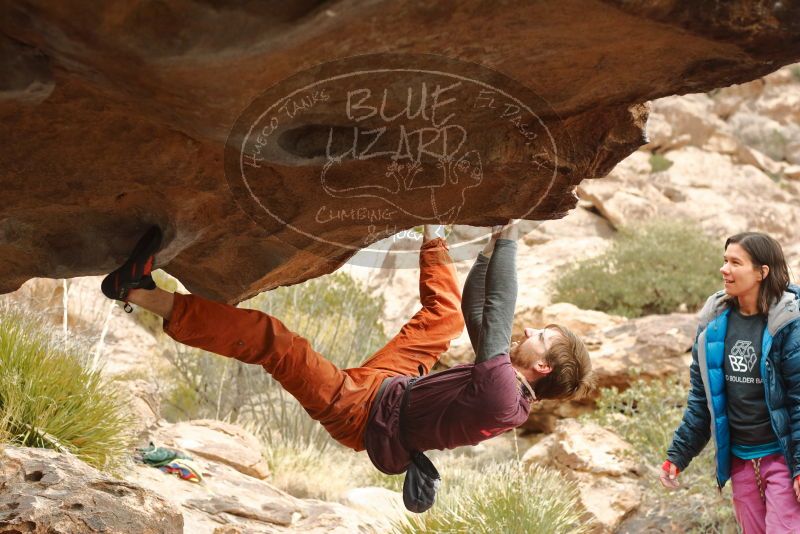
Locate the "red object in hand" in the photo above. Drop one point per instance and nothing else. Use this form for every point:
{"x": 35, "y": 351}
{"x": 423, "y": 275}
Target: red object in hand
{"x": 666, "y": 465}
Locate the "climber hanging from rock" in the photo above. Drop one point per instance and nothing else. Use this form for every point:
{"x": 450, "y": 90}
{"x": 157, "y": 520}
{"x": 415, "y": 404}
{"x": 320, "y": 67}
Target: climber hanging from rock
{"x": 390, "y": 405}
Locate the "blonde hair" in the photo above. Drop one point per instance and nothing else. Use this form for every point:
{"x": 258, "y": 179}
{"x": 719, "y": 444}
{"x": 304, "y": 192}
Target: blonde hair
{"x": 571, "y": 376}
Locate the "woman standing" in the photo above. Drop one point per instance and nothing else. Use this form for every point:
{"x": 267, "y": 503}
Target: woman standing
{"x": 745, "y": 387}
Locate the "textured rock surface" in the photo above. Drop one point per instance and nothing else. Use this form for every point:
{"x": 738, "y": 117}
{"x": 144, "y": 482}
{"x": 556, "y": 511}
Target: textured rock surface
{"x": 47, "y": 492}
{"x": 217, "y": 441}
{"x": 697, "y": 186}
{"x": 231, "y": 500}
{"x": 116, "y": 116}
{"x": 601, "y": 464}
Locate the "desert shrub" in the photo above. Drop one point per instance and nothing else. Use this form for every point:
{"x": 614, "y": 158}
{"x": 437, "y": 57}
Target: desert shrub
{"x": 658, "y": 267}
{"x": 500, "y": 497}
{"x": 765, "y": 135}
{"x": 646, "y": 416}
{"x": 659, "y": 163}
{"x": 338, "y": 317}
{"x": 776, "y": 177}
{"x": 772, "y": 143}
{"x": 50, "y": 398}
{"x": 300, "y": 470}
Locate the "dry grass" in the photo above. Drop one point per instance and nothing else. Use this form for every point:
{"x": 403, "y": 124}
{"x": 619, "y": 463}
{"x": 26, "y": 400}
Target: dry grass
{"x": 49, "y": 397}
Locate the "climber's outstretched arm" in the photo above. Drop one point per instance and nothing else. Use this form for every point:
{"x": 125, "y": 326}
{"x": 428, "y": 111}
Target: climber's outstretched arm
{"x": 474, "y": 289}
{"x": 499, "y": 296}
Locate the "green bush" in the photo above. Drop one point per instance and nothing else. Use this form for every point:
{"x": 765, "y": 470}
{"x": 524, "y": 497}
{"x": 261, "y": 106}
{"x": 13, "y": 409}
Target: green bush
{"x": 776, "y": 177}
{"x": 659, "y": 163}
{"x": 659, "y": 267}
{"x": 49, "y": 398}
{"x": 340, "y": 320}
{"x": 500, "y": 497}
{"x": 772, "y": 143}
{"x": 646, "y": 416}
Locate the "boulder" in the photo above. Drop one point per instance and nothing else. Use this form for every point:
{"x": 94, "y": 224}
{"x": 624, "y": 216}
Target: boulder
{"x": 750, "y": 156}
{"x": 792, "y": 153}
{"x": 708, "y": 179}
{"x": 46, "y": 492}
{"x": 600, "y": 463}
{"x": 229, "y": 502}
{"x": 696, "y": 180}
{"x": 137, "y": 114}
{"x": 724, "y": 143}
{"x": 682, "y": 120}
{"x": 775, "y": 96}
{"x": 217, "y": 441}
{"x": 629, "y": 193}
{"x": 765, "y": 133}
{"x": 144, "y": 405}
{"x": 728, "y": 100}
{"x": 655, "y": 346}
{"x": 792, "y": 172}
{"x": 582, "y": 322}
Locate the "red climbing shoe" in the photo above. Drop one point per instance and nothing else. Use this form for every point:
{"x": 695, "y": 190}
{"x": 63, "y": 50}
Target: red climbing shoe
{"x": 134, "y": 273}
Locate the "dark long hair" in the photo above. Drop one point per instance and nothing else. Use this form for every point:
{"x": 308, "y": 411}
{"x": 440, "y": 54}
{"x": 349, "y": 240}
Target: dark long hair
{"x": 764, "y": 250}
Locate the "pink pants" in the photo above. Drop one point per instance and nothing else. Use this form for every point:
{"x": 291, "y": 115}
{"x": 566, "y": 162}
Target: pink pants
{"x": 779, "y": 511}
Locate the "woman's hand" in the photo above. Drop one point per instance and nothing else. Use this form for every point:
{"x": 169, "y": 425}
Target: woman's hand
{"x": 669, "y": 476}
{"x": 797, "y": 487}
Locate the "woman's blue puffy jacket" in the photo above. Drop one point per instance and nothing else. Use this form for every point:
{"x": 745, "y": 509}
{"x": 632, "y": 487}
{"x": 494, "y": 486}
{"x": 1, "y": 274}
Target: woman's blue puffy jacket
{"x": 706, "y": 410}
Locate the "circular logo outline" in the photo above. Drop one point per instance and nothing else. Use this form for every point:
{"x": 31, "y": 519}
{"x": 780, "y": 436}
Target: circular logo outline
{"x": 278, "y": 102}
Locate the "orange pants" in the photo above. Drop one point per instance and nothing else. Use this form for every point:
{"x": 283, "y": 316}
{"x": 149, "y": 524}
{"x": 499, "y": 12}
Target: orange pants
{"x": 339, "y": 399}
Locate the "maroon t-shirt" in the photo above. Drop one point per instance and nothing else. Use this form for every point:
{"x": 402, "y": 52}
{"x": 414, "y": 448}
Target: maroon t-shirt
{"x": 463, "y": 405}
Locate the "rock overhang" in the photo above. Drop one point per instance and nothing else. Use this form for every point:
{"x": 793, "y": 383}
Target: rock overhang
{"x": 118, "y": 118}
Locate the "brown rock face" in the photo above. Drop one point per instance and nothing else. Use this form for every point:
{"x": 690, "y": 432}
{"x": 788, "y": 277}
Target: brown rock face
{"x": 120, "y": 115}
{"x": 602, "y": 465}
{"x": 48, "y": 492}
